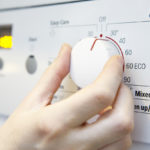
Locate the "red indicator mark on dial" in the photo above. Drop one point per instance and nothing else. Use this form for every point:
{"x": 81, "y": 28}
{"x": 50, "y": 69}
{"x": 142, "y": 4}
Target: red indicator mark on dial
{"x": 93, "y": 44}
{"x": 101, "y": 35}
{"x": 96, "y": 39}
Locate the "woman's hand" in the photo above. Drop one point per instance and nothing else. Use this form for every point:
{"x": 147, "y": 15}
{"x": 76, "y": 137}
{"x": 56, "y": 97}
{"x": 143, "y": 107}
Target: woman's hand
{"x": 38, "y": 125}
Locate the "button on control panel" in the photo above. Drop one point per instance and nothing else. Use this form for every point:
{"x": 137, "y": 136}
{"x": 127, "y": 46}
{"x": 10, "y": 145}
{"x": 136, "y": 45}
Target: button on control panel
{"x": 31, "y": 64}
{"x": 1, "y": 63}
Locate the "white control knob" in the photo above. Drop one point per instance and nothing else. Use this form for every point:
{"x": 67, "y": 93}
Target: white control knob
{"x": 88, "y": 58}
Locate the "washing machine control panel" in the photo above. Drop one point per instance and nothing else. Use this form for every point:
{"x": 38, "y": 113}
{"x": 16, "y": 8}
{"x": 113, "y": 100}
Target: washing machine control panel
{"x": 30, "y": 40}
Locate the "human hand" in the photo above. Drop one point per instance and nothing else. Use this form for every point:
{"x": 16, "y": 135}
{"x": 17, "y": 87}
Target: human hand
{"x": 38, "y": 125}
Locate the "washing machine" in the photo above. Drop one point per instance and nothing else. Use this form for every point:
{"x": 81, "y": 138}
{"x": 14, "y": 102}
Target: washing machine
{"x": 32, "y": 32}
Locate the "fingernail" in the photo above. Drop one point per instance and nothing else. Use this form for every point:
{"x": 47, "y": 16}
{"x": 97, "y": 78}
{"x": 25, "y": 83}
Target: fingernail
{"x": 121, "y": 61}
{"x": 64, "y": 47}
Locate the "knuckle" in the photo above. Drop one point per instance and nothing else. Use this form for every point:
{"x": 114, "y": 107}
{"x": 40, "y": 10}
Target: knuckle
{"x": 50, "y": 128}
{"x": 124, "y": 124}
{"x": 105, "y": 97}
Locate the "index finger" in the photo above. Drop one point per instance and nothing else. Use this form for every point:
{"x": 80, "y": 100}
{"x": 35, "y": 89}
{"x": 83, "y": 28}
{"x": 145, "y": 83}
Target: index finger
{"x": 91, "y": 100}
{"x": 50, "y": 81}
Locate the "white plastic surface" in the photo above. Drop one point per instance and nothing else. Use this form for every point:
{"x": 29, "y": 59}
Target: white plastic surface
{"x": 7, "y": 4}
{"x": 88, "y": 59}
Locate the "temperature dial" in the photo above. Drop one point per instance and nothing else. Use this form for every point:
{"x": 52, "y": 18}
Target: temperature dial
{"x": 89, "y": 56}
